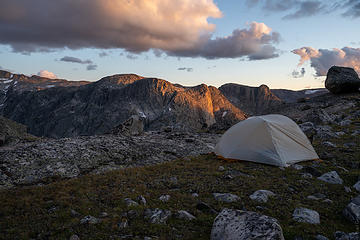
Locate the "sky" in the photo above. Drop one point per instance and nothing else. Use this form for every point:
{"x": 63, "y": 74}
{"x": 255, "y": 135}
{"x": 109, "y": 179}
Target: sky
{"x": 284, "y": 44}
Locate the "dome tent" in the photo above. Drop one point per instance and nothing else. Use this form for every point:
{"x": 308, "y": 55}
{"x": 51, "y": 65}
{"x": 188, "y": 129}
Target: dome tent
{"x": 270, "y": 139}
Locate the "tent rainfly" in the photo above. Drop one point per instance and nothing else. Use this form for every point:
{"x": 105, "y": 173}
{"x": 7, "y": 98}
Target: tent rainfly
{"x": 270, "y": 139}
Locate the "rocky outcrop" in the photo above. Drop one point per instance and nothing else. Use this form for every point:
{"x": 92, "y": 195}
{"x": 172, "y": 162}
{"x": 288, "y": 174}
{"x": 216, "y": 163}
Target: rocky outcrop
{"x": 99, "y": 107}
{"x": 342, "y": 80}
{"x": 11, "y": 131}
{"x": 242, "y": 225}
{"x": 46, "y": 159}
{"x": 252, "y": 100}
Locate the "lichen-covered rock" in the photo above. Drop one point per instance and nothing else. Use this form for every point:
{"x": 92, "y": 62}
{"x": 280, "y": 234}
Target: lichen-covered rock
{"x": 331, "y": 177}
{"x": 226, "y": 197}
{"x": 342, "y": 80}
{"x": 261, "y": 195}
{"x": 306, "y": 215}
{"x": 352, "y": 210}
{"x": 346, "y": 236}
{"x": 242, "y": 225}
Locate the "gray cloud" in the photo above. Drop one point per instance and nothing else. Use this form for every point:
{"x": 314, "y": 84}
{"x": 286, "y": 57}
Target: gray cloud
{"x": 323, "y": 59}
{"x": 135, "y": 26}
{"x": 103, "y": 54}
{"x": 186, "y": 69}
{"x": 75, "y": 60}
{"x": 91, "y": 67}
{"x": 299, "y": 74}
{"x": 131, "y": 56}
{"x": 305, "y": 8}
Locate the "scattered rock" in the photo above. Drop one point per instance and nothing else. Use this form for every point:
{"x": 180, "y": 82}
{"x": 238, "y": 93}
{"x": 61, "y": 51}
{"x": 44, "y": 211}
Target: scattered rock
{"x": 342, "y": 80}
{"x": 130, "y": 203}
{"x": 329, "y": 144}
{"x": 103, "y": 215}
{"x": 306, "y": 175}
{"x": 123, "y": 224}
{"x": 132, "y": 126}
{"x": 226, "y": 197}
{"x": 313, "y": 171}
{"x": 195, "y": 195}
{"x": 141, "y": 200}
{"x": 242, "y": 225}
{"x": 345, "y": 123}
{"x": 346, "y": 236}
{"x": 221, "y": 168}
{"x": 182, "y": 214}
{"x": 347, "y": 189}
{"x": 74, "y": 237}
{"x": 306, "y": 215}
{"x": 320, "y": 237}
{"x": 297, "y": 166}
{"x": 357, "y": 186}
{"x": 352, "y": 210}
{"x": 327, "y": 201}
{"x": 164, "y": 198}
{"x": 157, "y": 216}
{"x": 261, "y": 195}
{"x": 90, "y": 220}
{"x": 331, "y": 177}
{"x": 316, "y": 196}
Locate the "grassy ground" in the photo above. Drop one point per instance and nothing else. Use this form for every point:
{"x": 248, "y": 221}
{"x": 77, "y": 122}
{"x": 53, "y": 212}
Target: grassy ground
{"x": 44, "y": 212}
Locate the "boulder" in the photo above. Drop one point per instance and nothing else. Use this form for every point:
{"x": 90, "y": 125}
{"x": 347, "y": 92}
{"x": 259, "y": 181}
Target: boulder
{"x": 90, "y": 220}
{"x": 132, "y": 126}
{"x": 238, "y": 225}
{"x": 130, "y": 203}
{"x": 342, "y": 80}
{"x": 357, "y": 186}
{"x": 352, "y": 210}
{"x": 226, "y": 197}
{"x": 331, "y": 177}
{"x": 306, "y": 215}
{"x": 261, "y": 195}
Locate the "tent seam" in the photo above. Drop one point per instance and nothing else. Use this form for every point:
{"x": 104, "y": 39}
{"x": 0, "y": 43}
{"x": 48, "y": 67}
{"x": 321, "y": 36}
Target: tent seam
{"x": 275, "y": 143}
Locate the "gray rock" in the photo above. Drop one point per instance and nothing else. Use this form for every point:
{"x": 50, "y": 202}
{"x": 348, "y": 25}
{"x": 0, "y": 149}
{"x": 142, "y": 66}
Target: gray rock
{"x": 103, "y": 215}
{"x": 242, "y": 225}
{"x": 297, "y": 166}
{"x": 306, "y": 215}
{"x": 226, "y": 197}
{"x": 325, "y": 132}
{"x": 342, "y": 80}
{"x": 320, "y": 237}
{"x": 352, "y": 212}
{"x": 357, "y": 186}
{"x": 132, "y": 126}
{"x": 331, "y": 177}
{"x": 157, "y": 216}
{"x": 182, "y": 214}
{"x": 164, "y": 198}
{"x": 308, "y": 128}
{"x": 90, "y": 220}
{"x": 221, "y": 168}
{"x": 195, "y": 195}
{"x": 130, "y": 203}
{"x": 141, "y": 200}
{"x": 327, "y": 201}
{"x": 317, "y": 196}
{"x": 347, "y": 189}
{"x": 74, "y": 237}
{"x": 340, "y": 134}
{"x": 261, "y": 195}
{"x": 123, "y": 224}
{"x": 346, "y": 236}
{"x": 345, "y": 123}
{"x": 329, "y": 144}
{"x": 306, "y": 175}
{"x": 356, "y": 200}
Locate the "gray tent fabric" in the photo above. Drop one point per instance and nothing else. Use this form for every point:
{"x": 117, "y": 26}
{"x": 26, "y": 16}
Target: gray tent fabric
{"x": 270, "y": 139}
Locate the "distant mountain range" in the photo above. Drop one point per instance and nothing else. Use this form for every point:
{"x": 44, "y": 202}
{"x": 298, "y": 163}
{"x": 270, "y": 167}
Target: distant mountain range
{"x": 60, "y": 108}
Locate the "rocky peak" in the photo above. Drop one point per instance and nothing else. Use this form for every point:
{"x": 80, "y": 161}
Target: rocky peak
{"x": 253, "y": 100}
{"x": 120, "y": 79}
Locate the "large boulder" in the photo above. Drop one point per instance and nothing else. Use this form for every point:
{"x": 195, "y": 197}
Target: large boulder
{"x": 238, "y": 225}
{"x": 342, "y": 80}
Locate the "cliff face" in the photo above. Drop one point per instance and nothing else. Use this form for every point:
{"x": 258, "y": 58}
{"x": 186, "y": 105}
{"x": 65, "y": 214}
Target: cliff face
{"x": 98, "y": 107}
{"x": 252, "y": 100}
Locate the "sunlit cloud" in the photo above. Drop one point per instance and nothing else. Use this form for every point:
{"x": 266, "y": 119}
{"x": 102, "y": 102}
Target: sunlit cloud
{"x": 175, "y": 27}
{"x": 47, "y": 74}
{"x": 323, "y": 59}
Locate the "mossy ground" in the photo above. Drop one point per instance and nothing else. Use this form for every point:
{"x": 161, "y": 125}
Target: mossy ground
{"x": 44, "y": 212}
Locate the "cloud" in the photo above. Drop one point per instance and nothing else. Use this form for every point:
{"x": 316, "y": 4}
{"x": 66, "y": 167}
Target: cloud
{"x": 175, "y": 27}
{"x": 75, "y": 60}
{"x": 254, "y": 43}
{"x": 131, "y": 56}
{"x": 103, "y": 54}
{"x": 323, "y": 59}
{"x": 91, "y": 67}
{"x": 185, "y": 69}
{"x": 305, "y": 8}
{"x": 299, "y": 74}
{"x": 47, "y": 74}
